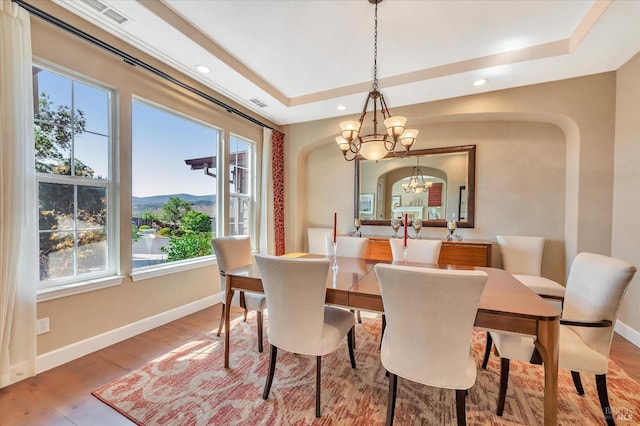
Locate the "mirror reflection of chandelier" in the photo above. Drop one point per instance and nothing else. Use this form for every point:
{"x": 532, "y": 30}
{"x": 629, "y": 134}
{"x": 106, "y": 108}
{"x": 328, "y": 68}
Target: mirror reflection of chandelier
{"x": 375, "y": 146}
{"x": 417, "y": 183}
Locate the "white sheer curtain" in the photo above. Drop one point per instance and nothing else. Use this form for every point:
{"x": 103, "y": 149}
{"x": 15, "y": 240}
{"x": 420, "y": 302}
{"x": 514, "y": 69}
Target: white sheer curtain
{"x": 266, "y": 227}
{"x": 18, "y": 241}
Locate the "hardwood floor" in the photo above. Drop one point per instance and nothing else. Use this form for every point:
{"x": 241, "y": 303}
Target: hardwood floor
{"x": 62, "y": 396}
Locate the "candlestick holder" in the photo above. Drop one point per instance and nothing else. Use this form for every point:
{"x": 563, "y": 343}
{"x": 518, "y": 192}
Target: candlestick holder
{"x": 452, "y": 225}
{"x": 334, "y": 255}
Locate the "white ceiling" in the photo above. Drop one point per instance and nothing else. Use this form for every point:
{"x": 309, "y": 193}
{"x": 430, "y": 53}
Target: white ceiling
{"x": 304, "y": 58}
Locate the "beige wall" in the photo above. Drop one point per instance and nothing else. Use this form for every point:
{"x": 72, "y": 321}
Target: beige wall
{"x": 82, "y": 316}
{"x": 544, "y": 166}
{"x": 626, "y": 193}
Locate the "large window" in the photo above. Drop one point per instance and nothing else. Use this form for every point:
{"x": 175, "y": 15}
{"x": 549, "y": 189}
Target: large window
{"x": 174, "y": 186}
{"x": 74, "y": 146}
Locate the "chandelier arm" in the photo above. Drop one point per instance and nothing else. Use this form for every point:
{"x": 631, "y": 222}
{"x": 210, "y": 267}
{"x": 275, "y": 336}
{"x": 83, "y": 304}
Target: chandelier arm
{"x": 383, "y": 107}
{"x": 345, "y": 154}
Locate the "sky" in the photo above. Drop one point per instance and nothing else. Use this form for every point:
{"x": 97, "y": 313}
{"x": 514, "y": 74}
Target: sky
{"x": 161, "y": 141}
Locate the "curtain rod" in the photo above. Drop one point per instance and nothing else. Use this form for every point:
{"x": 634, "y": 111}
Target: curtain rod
{"x": 131, "y": 60}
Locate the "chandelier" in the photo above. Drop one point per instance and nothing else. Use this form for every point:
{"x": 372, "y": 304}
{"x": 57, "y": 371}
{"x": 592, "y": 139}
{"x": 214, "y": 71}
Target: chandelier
{"x": 374, "y": 146}
{"x": 417, "y": 182}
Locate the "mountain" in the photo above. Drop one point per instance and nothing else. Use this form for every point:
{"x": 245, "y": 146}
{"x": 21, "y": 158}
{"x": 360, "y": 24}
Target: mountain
{"x": 154, "y": 203}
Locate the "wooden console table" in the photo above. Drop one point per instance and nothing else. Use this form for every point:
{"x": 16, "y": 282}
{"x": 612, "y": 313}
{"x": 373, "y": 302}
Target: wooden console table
{"x": 469, "y": 253}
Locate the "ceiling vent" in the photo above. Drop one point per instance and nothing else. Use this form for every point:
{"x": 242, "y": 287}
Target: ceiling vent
{"x": 258, "y": 102}
{"x": 105, "y": 10}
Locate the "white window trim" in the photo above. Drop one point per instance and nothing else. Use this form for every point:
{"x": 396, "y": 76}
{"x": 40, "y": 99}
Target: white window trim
{"x": 142, "y": 274}
{"x": 74, "y": 288}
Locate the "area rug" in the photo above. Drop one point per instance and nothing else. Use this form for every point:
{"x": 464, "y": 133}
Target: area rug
{"x": 189, "y": 386}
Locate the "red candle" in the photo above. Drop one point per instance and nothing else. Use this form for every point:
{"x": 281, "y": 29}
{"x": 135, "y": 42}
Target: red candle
{"x": 406, "y": 222}
{"x": 335, "y": 219}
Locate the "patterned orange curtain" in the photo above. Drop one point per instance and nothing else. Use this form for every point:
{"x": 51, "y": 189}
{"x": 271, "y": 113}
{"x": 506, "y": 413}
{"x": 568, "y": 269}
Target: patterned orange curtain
{"x": 277, "y": 158}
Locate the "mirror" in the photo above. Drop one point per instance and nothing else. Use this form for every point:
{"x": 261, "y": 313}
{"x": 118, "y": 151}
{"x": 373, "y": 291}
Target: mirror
{"x": 383, "y": 189}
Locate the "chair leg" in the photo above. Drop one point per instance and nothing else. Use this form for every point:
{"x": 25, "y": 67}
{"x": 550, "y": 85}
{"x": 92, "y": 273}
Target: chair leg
{"x": 272, "y": 368}
{"x": 359, "y": 317}
{"x": 318, "y": 370}
{"x": 384, "y": 325}
{"x": 351, "y": 344}
{"x": 487, "y": 351}
{"x": 577, "y": 382}
{"x": 391, "y": 402}
{"x": 259, "y": 322}
{"x": 603, "y": 395}
{"x": 461, "y": 411}
{"x": 504, "y": 379}
{"x": 221, "y": 320}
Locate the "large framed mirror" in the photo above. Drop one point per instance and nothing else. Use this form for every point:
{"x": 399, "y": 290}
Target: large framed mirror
{"x": 434, "y": 185}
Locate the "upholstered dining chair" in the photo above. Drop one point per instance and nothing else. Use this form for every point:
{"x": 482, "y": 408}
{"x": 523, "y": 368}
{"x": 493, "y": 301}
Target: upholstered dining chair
{"x": 595, "y": 289}
{"x": 522, "y": 257}
{"x": 316, "y": 239}
{"x": 424, "y": 251}
{"x": 419, "y": 348}
{"x": 299, "y": 321}
{"x": 233, "y": 252}
{"x": 347, "y": 246}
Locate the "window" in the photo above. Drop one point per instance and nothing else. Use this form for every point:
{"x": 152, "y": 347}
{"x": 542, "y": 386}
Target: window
{"x": 241, "y": 184}
{"x": 73, "y": 145}
{"x": 174, "y": 186}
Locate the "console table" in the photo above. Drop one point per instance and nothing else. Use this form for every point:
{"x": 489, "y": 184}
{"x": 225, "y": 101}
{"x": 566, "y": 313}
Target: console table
{"x": 469, "y": 253}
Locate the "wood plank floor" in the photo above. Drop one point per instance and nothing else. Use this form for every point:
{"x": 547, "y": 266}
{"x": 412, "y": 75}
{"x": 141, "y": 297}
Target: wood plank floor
{"x": 62, "y": 396}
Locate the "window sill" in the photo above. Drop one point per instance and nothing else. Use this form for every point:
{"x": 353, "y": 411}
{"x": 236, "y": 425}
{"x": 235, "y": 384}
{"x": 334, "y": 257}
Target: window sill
{"x": 172, "y": 268}
{"x": 77, "y": 288}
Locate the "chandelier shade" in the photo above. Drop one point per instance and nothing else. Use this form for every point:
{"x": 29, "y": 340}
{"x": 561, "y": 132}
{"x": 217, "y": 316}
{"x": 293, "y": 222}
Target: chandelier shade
{"x": 375, "y": 146}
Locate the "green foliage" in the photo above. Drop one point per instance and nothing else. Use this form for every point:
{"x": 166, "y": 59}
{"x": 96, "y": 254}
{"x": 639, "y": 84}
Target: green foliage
{"x": 147, "y": 215}
{"x": 53, "y": 133}
{"x": 188, "y": 246}
{"x": 174, "y": 210}
{"x": 134, "y": 233}
{"x": 144, "y": 227}
{"x": 177, "y": 233}
{"x": 165, "y": 231}
{"x": 194, "y": 221}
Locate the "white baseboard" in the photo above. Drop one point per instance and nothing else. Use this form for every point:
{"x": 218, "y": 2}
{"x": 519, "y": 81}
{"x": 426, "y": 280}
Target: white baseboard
{"x": 76, "y": 350}
{"x": 628, "y": 333}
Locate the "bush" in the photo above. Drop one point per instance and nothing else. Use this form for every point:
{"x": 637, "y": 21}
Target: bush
{"x": 177, "y": 233}
{"x": 165, "y": 232}
{"x": 134, "y": 233}
{"x": 195, "y": 221}
{"x": 144, "y": 227}
{"x": 188, "y": 246}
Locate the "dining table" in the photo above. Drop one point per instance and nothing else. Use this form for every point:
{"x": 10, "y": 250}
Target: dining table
{"x": 505, "y": 305}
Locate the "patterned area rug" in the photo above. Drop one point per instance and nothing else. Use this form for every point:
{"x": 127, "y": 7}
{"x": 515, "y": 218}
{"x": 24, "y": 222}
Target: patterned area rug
{"x": 189, "y": 386}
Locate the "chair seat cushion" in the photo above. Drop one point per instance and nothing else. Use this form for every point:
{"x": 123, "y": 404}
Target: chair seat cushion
{"x": 255, "y": 302}
{"x": 337, "y": 323}
{"x": 541, "y": 285}
{"x": 576, "y": 355}
{"x": 513, "y": 346}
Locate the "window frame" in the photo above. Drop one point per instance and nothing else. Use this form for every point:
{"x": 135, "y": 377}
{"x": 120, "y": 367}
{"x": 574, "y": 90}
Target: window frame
{"x": 252, "y": 194}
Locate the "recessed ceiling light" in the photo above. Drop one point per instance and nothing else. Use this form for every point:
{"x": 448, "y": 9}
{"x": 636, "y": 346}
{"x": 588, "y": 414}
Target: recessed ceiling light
{"x": 203, "y": 69}
{"x": 341, "y": 107}
{"x": 480, "y": 82}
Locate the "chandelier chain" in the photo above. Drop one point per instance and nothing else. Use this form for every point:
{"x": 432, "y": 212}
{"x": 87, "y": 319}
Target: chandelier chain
{"x": 375, "y": 49}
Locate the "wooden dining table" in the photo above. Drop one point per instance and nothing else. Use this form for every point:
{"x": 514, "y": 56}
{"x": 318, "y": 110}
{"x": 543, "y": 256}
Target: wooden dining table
{"x": 505, "y": 305}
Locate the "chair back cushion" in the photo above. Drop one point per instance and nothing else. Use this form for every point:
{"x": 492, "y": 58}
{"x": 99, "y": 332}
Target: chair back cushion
{"x": 295, "y": 290}
{"x": 521, "y": 255}
{"x": 347, "y": 246}
{"x": 430, "y": 315}
{"x": 595, "y": 288}
{"x": 424, "y": 251}
{"x": 231, "y": 252}
{"x": 316, "y": 239}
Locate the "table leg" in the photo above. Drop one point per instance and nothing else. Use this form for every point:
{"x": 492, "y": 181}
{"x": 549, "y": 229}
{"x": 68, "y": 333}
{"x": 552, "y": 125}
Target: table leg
{"x": 547, "y": 344}
{"x": 227, "y": 319}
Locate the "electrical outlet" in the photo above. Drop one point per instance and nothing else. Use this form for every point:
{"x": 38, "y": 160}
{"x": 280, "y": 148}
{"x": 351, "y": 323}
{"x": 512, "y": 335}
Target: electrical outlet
{"x": 43, "y": 325}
